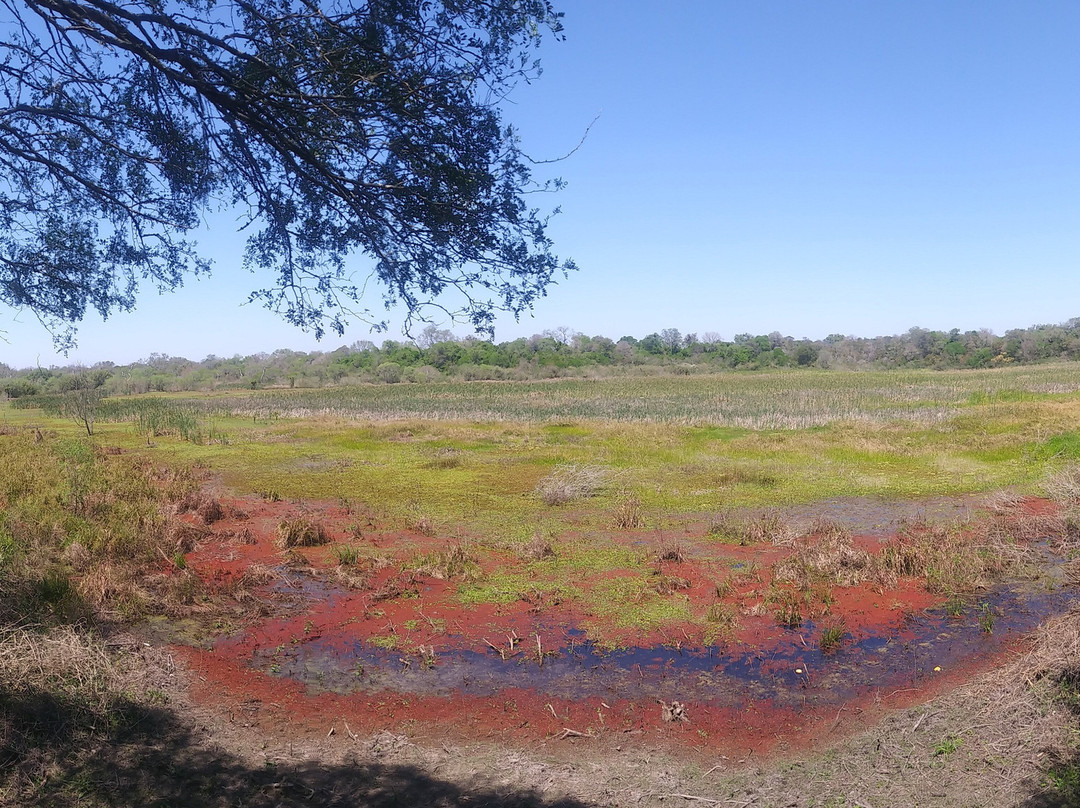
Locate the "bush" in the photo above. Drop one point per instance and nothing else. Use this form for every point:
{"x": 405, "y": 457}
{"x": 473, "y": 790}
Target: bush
{"x": 19, "y": 388}
{"x": 389, "y": 372}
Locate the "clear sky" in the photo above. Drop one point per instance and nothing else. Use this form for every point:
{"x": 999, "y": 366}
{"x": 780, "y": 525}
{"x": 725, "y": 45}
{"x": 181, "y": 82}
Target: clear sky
{"x": 805, "y": 167}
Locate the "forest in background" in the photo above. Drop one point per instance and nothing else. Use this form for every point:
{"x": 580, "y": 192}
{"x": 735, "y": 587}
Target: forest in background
{"x": 437, "y": 354}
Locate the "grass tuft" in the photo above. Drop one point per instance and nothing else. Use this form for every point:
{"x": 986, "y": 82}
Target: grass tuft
{"x": 538, "y": 548}
{"x": 299, "y": 531}
{"x": 1064, "y": 486}
{"x": 569, "y": 482}
{"x": 449, "y": 563}
{"x": 628, "y": 515}
{"x": 832, "y": 636}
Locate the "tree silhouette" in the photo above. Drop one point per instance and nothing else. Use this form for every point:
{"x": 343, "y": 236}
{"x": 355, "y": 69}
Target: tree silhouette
{"x": 333, "y": 128}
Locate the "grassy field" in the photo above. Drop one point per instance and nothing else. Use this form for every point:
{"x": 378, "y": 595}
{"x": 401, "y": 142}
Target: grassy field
{"x": 504, "y": 470}
{"x": 765, "y": 400}
{"x": 501, "y": 466}
{"x": 473, "y": 453}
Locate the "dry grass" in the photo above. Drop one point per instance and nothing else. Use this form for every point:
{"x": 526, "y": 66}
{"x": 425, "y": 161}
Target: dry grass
{"x": 826, "y": 556}
{"x": 63, "y": 662}
{"x": 300, "y": 531}
{"x": 768, "y": 526}
{"x": 539, "y": 548}
{"x": 203, "y": 505}
{"x": 569, "y": 482}
{"x": 669, "y": 549}
{"x": 456, "y": 561}
{"x": 1004, "y": 503}
{"x": 963, "y": 557}
{"x": 180, "y": 537}
{"x": 1064, "y": 486}
{"x": 666, "y": 585}
{"x": 628, "y": 515}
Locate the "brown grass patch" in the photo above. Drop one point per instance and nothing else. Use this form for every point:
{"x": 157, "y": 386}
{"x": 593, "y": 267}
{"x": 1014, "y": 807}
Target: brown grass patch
{"x": 628, "y": 515}
{"x": 1064, "y": 486}
{"x": 669, "y": 550}
{"x": 826, "y": 556}
{"x": 538, "y": 548}
{"x": 451, "y": 562}
{"x": 571, "y": 481}
{"x": 203, "y": 505}
{"x": 767, "y": 527}
{"x": 300, "y": 531}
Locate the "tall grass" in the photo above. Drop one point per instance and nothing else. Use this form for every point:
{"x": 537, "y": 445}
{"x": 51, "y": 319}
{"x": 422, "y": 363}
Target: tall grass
{"x": 764, "y": 400}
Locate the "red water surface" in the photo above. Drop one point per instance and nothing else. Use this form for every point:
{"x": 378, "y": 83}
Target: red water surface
{"x": 234, "y": 672}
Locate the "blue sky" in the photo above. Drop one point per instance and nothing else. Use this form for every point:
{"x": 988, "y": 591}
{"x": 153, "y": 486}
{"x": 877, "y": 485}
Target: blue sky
{"x": 804, "y": 167}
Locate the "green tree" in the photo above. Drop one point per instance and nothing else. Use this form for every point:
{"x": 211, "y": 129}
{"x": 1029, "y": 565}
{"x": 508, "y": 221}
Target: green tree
{"x": 334, "y": 129}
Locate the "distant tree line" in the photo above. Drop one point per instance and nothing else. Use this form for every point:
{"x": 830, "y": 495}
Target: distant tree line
{"x": 436, "y": 354}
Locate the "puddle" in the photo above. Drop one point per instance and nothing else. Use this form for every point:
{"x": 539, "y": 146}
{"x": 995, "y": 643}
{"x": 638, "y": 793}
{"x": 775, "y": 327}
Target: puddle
{"x": 790, "y": 670}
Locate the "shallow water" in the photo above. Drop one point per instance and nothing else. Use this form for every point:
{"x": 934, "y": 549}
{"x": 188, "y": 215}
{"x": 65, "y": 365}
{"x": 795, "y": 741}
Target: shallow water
{"x": 790, "y": 671}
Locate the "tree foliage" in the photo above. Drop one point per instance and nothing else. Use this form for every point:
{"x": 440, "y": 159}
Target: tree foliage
{"x": 331, "y": 127}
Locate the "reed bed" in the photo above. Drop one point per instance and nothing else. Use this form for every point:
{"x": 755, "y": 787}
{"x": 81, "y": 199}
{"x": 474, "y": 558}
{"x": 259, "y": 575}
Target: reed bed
{"x": 764, "y": 400}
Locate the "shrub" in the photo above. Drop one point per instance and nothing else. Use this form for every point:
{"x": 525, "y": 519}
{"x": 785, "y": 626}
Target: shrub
{"x": 389, "y": 372}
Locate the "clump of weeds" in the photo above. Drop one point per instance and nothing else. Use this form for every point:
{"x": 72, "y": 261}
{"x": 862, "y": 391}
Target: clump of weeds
{"x": 669, "y": 550}
{"x": 723, "y": 588}
{"x": 724, "y": 617}
{"x": 445, "y": 457}
{"x": 787, "y": 607}
{"x": 668, "y": 584}
{"x": 950, "y": 559}
{"x": 300, "y": 531}
{"x": 1064, "y": 485}
{"x": 767, "y": 527}
{"x": 628, "y": 515}
{"x": 203, "y": 505}
{"x": 538, "y": 548}
{"x": 832, "y": 636}
{"x": 826, "y": 556}
{"x": 454, "y": 562}
{"x": 346, "y": 554}
{"x": 569, "y": 482}
{"x": 419, "y": 521}
{"x": 954, "y": 607}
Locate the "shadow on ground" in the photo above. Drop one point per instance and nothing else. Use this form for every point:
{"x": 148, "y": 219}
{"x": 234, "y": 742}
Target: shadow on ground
{"x": 54, "y": 753}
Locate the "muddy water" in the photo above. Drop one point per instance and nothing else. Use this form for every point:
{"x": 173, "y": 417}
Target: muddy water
{"x": 789, "y": 669}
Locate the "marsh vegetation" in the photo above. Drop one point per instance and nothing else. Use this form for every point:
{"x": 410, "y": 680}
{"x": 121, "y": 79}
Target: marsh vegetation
{"x": 692, "y": 512}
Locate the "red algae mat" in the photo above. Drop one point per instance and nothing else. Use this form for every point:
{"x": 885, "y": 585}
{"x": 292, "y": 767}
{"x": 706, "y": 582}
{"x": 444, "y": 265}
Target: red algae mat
{"x": 399, "y": 651}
